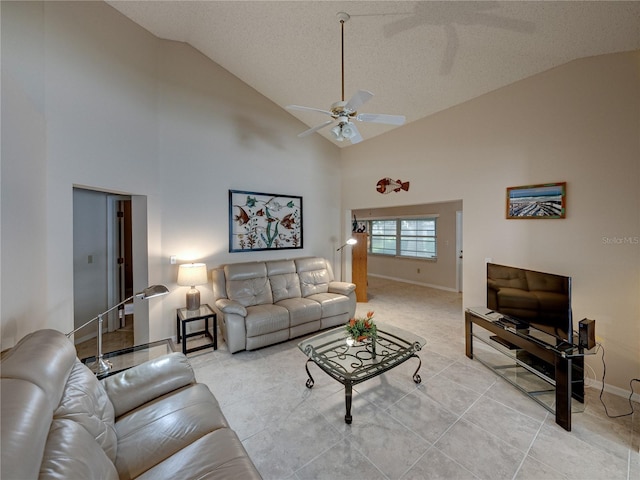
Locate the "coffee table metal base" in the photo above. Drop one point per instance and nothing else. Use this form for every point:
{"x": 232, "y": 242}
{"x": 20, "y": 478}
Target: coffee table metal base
{"x": 348, "y": 386}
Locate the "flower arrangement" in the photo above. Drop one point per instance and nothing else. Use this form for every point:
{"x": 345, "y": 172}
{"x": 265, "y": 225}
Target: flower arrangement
{"x": 362, "y": 328}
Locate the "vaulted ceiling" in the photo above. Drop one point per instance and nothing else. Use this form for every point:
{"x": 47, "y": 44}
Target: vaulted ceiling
{"x": 417, "y": 58}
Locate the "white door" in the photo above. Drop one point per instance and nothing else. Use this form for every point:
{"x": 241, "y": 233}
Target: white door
{"x": 459, "y": 250}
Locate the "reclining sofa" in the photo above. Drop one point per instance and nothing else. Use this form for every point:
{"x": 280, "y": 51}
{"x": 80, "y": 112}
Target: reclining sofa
{"x": 152, "y": 421}
{"x": 263, "y": 303}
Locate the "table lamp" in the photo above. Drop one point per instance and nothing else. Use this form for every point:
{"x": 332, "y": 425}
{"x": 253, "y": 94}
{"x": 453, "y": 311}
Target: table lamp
{"x": 101, "y": 365}
{"x": 190, "y": 275}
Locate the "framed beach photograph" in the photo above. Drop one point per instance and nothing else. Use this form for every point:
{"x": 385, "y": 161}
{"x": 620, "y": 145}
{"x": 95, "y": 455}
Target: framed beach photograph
{"x": 547, "y": 200}
{"x": 264, "y": 221}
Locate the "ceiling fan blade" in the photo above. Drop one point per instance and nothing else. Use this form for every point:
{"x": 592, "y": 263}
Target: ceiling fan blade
{"x": 315, "y": 129}
{"x": 356, "y": 138}
{"x": 381, "y": 118}
{"x": 308, "y": 109}
{"x": 358, "y": 99}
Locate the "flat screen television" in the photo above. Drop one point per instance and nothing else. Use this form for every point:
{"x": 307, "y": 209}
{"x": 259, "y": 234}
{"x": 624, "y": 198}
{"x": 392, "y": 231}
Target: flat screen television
{"x": 541, "y": 300}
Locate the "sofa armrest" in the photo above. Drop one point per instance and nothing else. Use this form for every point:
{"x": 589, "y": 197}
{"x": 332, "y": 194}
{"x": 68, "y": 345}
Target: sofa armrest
{"x": 343, "y": 288}
{"x": 231, "y": 306}
{"x": 138, "y": 385}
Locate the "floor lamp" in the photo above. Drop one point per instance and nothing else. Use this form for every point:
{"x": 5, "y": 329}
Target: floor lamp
{"x": 350, "y": 241}
{"x": 101, "y": 365}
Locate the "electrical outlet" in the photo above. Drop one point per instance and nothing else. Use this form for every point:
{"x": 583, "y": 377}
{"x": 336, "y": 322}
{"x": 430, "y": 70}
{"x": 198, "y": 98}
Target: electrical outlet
{"x": 172, "y": 259}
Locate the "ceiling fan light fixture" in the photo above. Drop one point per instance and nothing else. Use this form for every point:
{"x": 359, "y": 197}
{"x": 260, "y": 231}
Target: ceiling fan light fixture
{"x": 347, "y": 130}
{"x": 337, "y": 133}
{"x": 343, "y": 111}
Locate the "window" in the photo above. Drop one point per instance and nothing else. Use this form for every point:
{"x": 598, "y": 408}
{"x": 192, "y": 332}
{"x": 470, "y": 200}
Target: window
{"x": 383, "y": 237}
{"x": 404, "y": 237}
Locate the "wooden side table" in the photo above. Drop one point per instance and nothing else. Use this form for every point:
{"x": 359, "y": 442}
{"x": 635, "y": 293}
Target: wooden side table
{"x": 184, "y": 316}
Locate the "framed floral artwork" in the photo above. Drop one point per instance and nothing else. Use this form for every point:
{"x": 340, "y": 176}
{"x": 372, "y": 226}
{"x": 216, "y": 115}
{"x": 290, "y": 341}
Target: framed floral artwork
{"x": 264, "y": 221}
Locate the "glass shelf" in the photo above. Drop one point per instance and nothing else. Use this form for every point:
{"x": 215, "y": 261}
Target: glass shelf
{"x": 504, "y": 361}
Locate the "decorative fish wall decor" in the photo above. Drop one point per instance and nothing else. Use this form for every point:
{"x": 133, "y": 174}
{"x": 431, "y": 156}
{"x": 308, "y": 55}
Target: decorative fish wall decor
{"x": 387, "y": 185}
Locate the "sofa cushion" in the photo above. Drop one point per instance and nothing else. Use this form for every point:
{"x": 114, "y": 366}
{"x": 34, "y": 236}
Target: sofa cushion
{"x": 26, "y": 418}
{"x": 248, "y": 284}
{"x": 301, "y": 310}
{"x": 31, "y": 391}
{"x": 331, "y": 303}
{"x": 195, "y": 460}
{"x": 285, "y": 286}
{"x": 314, "y": 275}
{"x": 284, "y": 279}
{"x": 152, "y": 379}
{"x": 263, "y": 319}
{"x": 85, "y": 402}
{"x": 159, "y": 429}
{"x": 72, "y": 452}
{"x": 24, "y": 361}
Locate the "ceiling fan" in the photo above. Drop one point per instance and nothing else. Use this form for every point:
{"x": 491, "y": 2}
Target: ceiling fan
{"x": 345, "y": 112}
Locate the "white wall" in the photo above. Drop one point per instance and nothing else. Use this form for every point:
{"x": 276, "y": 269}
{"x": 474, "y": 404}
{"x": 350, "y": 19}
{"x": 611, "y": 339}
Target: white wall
{"x": 220, "y": 135}
{"x": 91, "y": 99}
{"x": 578, "y": 123}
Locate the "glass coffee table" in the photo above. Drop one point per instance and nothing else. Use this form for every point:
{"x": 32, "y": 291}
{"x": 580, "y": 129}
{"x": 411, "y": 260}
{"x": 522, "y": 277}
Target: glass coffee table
{"x": 351, "y": 365}
{"x": 130, "y": 357}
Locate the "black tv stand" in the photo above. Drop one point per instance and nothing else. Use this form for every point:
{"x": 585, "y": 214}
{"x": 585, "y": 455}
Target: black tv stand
{"x": 557, "y": 364}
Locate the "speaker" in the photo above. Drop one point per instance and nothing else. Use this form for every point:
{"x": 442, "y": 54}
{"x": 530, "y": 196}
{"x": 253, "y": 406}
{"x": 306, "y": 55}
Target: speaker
{"x": 587, "y": 333}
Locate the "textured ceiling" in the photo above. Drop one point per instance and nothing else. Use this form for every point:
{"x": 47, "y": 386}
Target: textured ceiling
{"x": 418, "y": 58}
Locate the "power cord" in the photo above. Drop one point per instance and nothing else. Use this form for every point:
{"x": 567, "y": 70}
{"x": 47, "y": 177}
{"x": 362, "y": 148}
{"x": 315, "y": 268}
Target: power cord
{"x": 604, "y": 372}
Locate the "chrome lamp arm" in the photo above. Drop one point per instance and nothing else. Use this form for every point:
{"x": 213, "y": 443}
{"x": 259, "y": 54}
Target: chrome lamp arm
{"x": 101, "y": 366}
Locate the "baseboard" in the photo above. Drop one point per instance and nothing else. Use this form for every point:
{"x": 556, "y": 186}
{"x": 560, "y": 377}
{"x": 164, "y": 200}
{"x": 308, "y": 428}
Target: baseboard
{"x": 404, "y": 280}
{"x": 620, "y": 392}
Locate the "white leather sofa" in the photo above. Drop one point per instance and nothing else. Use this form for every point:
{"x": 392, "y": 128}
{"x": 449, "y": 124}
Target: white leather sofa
{"x": 263, "y": 303}
{"x": 152, "y": 421}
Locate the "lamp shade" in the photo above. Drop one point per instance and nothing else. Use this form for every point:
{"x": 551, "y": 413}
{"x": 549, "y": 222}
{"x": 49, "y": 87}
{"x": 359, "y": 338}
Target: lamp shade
{"x": 350, "y": 241}
{"x": 192, "y": 274}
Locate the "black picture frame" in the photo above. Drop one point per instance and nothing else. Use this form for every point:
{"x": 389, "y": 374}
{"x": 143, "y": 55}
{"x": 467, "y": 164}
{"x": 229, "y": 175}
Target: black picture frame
{"x": 264, "y": 221}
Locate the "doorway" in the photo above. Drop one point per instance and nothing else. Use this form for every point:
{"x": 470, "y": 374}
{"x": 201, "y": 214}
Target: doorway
{"x": 120, "y": 260}
{"x": 102, "y": 267}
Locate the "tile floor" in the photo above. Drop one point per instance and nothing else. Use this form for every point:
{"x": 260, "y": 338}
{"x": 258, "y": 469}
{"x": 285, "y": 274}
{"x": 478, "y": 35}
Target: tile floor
{"x": 461, "y": 422}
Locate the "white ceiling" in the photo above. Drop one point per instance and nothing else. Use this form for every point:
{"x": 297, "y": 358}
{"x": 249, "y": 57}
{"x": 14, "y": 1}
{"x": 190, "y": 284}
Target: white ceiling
{"x": 418, "y": 58}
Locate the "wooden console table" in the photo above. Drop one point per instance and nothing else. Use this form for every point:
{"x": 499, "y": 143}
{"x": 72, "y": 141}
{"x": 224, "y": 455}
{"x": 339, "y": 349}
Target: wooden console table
{"x": 521, "y": 350}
